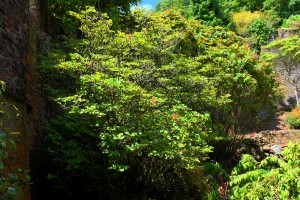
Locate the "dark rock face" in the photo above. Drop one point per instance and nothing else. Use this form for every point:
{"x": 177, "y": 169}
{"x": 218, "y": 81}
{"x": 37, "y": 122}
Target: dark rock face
{"x": 13, "y": 66}
{"x": 13, "y": 46}
{"x": 17, "y": 61}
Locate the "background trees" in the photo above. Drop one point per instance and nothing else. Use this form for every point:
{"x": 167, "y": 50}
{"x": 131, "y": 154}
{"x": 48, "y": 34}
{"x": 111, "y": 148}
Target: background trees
{"x": 56, "y": 19}
{"x": 210, "y": 12}
{"x": 283, "y": 9}
{"x": 256, "y": 21}
{"x": 185, "y": 7}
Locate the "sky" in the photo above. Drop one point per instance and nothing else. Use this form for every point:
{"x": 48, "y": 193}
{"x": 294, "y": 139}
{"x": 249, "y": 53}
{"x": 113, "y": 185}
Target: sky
{"x": 148, "y": 4}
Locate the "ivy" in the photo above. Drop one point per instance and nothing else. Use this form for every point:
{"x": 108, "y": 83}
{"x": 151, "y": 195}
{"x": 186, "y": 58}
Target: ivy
{"x": 10, "y": 183}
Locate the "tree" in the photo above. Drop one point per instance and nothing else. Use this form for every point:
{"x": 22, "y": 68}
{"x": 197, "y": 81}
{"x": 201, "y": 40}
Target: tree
{"x": 140, "y": 128}
{"x": 150, "y": 98}
{"x": 185, "y": 6}
{"x": 244, "y": 5}
{"x": 260, "y": 34}
{"x": 284, "y": 9}
{"x": 212, "y": 12}
{"x": 59, "y": 22}
{"x": 285, "y": 56}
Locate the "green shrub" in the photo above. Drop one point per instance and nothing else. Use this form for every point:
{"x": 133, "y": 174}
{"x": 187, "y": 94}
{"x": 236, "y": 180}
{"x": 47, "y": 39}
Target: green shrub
{"x": 217, "y": 181}
{"x": 292, "y": 22}
{"x": 260, "y": 34}
{"x": 275, "y": 177}
{"x": 293, "y": 118}
{"x": 292, "y": 121}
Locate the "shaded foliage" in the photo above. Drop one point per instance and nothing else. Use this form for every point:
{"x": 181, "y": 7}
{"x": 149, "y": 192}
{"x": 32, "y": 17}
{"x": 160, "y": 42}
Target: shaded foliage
{"x": 59, "y": 22}
{"x": 11, "y": 179}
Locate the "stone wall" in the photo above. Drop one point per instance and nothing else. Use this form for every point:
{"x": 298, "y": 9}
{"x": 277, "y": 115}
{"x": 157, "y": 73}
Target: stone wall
{"x": 13, "y": 65}
{"x": 287, "y": 32}
{"x": 13, "y": 46}
{"x": 265, "y": 143}
{"x": 18, "y": 19}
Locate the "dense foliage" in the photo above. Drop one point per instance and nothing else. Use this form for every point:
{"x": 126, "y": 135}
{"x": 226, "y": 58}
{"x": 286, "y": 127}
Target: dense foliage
{"x": 292, "y": 22}
{"x": 293, "y": 118}
{"x": 254, "y": 20}
{"x": 212, "y": 12}
{"x": 254, "y": 27}
{"x": 274, "y": 177}
{"x": 144, "y": 102}
{"x": 282, "y": 8}
{"x": 184, "y": 6}
{"x": 209, "y": 12}
{"x": 61, "y": 22}
{"x": 219, "y": 12}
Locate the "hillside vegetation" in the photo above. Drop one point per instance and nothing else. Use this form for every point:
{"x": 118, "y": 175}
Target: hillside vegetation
{"x": 152, "y": 104}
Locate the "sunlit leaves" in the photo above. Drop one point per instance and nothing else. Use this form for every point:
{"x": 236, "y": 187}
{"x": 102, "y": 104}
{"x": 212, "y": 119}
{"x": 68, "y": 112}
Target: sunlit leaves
{"x": 280, "y": 175}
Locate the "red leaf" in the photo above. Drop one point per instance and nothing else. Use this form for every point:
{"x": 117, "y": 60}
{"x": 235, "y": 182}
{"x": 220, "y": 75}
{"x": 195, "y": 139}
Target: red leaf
{"x": 175, "y": 116}
{"x": 153, "y": 100}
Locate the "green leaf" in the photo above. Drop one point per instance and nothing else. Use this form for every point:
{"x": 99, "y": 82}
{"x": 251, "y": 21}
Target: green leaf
{"x": 11, "y": 192}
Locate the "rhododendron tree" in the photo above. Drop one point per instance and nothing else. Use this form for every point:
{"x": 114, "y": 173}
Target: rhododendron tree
{"x": 153, "y": 97}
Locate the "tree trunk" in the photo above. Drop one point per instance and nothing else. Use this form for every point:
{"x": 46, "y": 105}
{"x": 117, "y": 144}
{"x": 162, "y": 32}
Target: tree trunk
{"x": 296, "y": 95}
